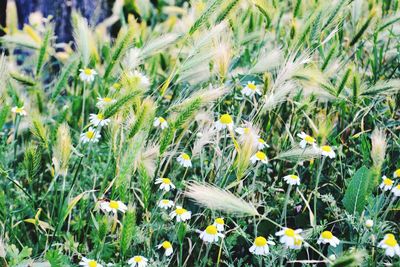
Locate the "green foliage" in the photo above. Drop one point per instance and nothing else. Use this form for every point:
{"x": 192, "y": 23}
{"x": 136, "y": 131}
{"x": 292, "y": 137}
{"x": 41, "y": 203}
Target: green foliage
{"x": 358, "y": 191}
{"x": 128, "y": 230}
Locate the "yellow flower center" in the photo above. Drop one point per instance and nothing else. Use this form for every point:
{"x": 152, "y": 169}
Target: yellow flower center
{"x": 92, "y": 263}
{"x": 387, "y": 181}
{"x": 293, "y": 177}
{"x": 290, "y": 232}
{"x": 137, "y": 259}
{"x": 261, "y": 155}
{"x": 180, "y": 211}
{"x": 161, "y": 120}
{"x": 219, "y": 221}
{"x": 211, "y": 230}
{"x": 116, "y": 86}
{"x": 166, "y": 245}
{"x": 260, "y": 241}
{"x": 166, "y": 181}
{"x": 397, "y": 173}
{"x": 326, "y": 148}
{"x": 87, "y": 71}
{"x": 246, "y": 130}
{"x": 251, "y": 86}
{"x": 100, "y": 116}
{"x": 398, "y": 187}
{"x": 327, "y": 235}
{"x": 391, "y": 242}
{"x": 260, "y": 140}
{"x": 309, "y": 139}
{"x": 90, "y": 134}
{"x": 113, "y": 204}
{"x": 185, "y": 156}
{"x": 226, "y": 119}
{"x": 165, "y": 201}
{"x": 19, "y": 110}
{"x": 297, "y": 242}
{"x": 107, "y": 99}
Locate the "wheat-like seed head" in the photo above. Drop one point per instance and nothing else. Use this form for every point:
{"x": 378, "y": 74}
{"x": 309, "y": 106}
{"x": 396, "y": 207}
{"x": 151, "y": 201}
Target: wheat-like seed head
{"x": 378, "y": 150}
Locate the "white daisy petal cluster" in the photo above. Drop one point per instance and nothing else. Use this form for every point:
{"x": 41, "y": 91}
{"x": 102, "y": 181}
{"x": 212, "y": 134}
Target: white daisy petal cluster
{"x": 138, "y": 261}
{"x": 220, "y": 224}
{"x": 160, "y": 122}
{"x": 325, "y": 150}
{"x": 87, "y": 75}
{"x": 386, "y": 184}
{"x": 224, "y": 122}
{"x": 259, "y": 156}
{"x": 327, "y": 237}
{"x": 167, "y": 246}
{"x": 389, "y": 243}
{"x": 396, "y": 190}
{"x": 251, "y": 89}
{"x": 113, "y": 206}
{"x": 85, "y": 262}
{"x": 180, "y": 214}
{"x": 165, "y": 184}
{"x": 306, "y": 140}
{"x": 98, "y": 120}
{"x": 165, "y": 204}
{"x": 103, "y": 102}
{"x": 261, "y": 246}
{"x": 290, "y": 238}
{"x": 184, "y": 160}
{"x": 292, "y": 179}
{"x": 211, "y": 234}
{"x": 92, "y": 135}
{"x": 19, "y": 111}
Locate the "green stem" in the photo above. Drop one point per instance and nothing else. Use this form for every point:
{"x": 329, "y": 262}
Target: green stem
{"x": 284, "y": 212}
{"x": 316, "y": 189}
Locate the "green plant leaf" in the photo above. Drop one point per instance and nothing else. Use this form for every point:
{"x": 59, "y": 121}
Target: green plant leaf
{"x": 356, "y": 194}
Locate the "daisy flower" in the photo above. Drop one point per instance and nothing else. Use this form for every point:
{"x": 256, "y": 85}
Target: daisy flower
{"x": 220, "y": 224}
{"x": 165, "y": 204}
{"x": 87, "y": 75}
{"x": 225, "y": 121}
{"x": 181, "y": 214}
{"x": 116, "y": 86}
{"x": 396, "y": 173}
{"x": 260, "y": 246}
{"x": 184, "y": 160}
{"x": 306, "y": 139}
{"x": 167, "y": 246}
{"x": 160, "y": 122}
{"x": 243, "y": 131}
{"x": 261, "y": 144}
{"x": 386, "y": 184}
{"x": 369, "y": 223}
{"x": 396, "y": 190}
{"x": 327, "y": 151}
{"x": 19, "y": 110}
{"x": 104, "y": 101}
{"x": 292, "y": 179}
{"x": 139, "y": 79}
{"x": 165, "y": 184}
{"x": 327, "y": 237}
{"x": 113, "y": 206}
{"x": 259, "y": 156}
{"x": 92, "y": 135}
{"x": 250, "y": 89}
{"x": 98, "y": 120}
{"x": 89, "y": 263}
{"x": 138, "y": 261}
{"x": 210, "y": 234}
{"x": 290, "y": 238}
{"x": 389, "y": 243}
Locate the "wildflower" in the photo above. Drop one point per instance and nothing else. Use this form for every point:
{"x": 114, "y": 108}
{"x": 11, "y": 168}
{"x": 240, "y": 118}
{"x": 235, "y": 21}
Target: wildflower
{"x": 243, "y": 131}
{"x": 225, "y": 121}
{"x": 165, "y": 184}
{"x": 92, "y": 135}
{"x": 327, "y": 151}
{"x": 139, "y": 79}
{"x": 160, "y": 122}
{"x": 250, "y": 89}
{"x": 389, "y": 243}
{"x": 184, "y": 160}
{"x": 261, "y": 144}
{"x": 138, "y": 261}
{"x": 89, "y": 263}
{"x": 259, "y": 156}
{"x": 292, "y": 179}
{"x": 19, "y": 110}
{"x": 396, "y": 173}
{"x": 104, "y": 101}
{"x": 165, "y": 204}
{"x": 87, "y": 75}
{"x": 260, "y": 246}
{"x": 98, "y": 120}
{"x": 369, "y": 223}
{"x": 386, "y": 184}
{"x": 396, "y": 190}
{"x": 116, "y": 87}
{"x": 210, "y": 234}
{"x": 328, "y": 237}
{"x": 290, "y": 238}
{"x": 181, "y": 214}
{"x": 113, "y": 206}
{"x": 167, "y": 246}
{"x": 306, "y": 139}
{"x": 219, "y": 223}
